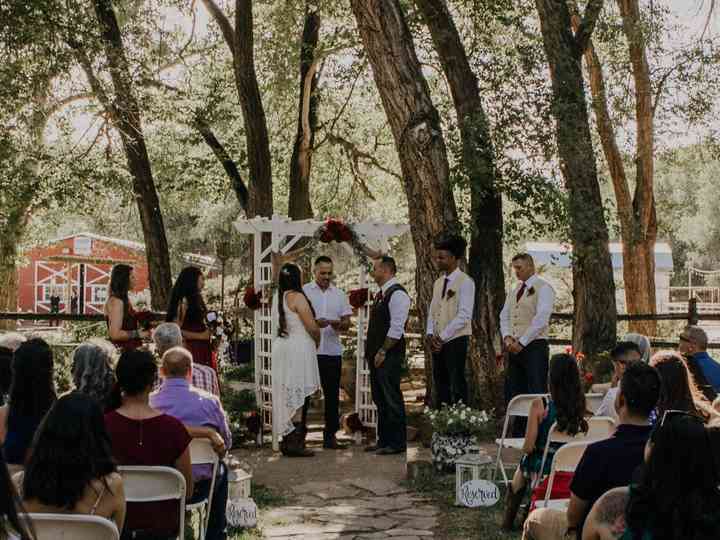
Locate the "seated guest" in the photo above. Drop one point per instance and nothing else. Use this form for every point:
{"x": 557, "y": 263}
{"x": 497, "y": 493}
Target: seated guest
{"x": 92, "y": 370}
{"x": 32, "y": 392}
{"x": 677, "y": 390}
{"x": 12, "y": 340}
{"x": 643, "y": 344}
{"x": 675, "y": 496}
{"x": 71, "y": 469}
{"x": 566, "y": 407}
{"x": 168, "y": 335}
{"x": 706, "y": 371}
{"x": 141, "y": 435}
{"x": 11, "y": 527}
{"x": 605, "y": 464}
{"x": 622, "y": 355}
{"x": 194, "y": 407}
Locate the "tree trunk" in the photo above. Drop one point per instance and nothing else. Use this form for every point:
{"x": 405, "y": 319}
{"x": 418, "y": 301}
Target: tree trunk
{"x": 299, "y": 206}
{"x": 594, "y": 328}
{"x": 638, "y": 224}
{"x": 485, "y": 261}
{"x": 127, "y": 120}
{"x": 256, "y": 133}
{"x": 415, "y": 125}
{"x": 10, "y": 237}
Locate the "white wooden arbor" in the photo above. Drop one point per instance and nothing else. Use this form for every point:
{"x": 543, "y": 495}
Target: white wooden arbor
{"x": 283, "y": 234}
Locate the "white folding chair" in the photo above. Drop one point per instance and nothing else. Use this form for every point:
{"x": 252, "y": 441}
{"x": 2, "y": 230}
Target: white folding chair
{"x": 72, "y": 527}
{"x": 202, "y": 453}
{"x": 599, "y": 427}
{"x": 566, "y": 459}
{"x": 152, "y": 484}
{"x": 519, "y": 406}
{"x": 593, "y": 402}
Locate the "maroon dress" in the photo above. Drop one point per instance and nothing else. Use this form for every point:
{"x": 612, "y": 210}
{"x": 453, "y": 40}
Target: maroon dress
{"x": 200, "y": 349}
{"x": 157, "y": 441}
{"x": 129, "y": 324}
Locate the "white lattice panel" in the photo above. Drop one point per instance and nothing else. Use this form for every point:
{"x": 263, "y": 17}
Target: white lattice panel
{"x": 363, "y": 395}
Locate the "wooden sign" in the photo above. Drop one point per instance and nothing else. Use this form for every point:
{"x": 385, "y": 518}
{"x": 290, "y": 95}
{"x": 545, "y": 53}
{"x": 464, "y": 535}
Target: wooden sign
{"x": 242, "y": 513}
{"x": 478, "y": 493}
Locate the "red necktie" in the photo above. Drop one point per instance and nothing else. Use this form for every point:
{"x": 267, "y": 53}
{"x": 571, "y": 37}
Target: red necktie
{"x": 520, "y": 292}
{"x": 445, "y": 285}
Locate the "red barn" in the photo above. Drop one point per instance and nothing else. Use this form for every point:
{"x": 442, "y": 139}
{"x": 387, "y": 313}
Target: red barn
{"x": 83, "y": 261}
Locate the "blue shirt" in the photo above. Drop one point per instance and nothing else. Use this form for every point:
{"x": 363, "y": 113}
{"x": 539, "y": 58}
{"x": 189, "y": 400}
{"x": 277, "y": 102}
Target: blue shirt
{"x": 710, "y": 368}
{"x": 195, "y": 408}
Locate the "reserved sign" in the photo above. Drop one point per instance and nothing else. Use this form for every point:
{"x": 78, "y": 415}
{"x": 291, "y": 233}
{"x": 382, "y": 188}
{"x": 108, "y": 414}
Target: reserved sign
{"x": 242, "y": 513}
{"x": 478, "y": 493}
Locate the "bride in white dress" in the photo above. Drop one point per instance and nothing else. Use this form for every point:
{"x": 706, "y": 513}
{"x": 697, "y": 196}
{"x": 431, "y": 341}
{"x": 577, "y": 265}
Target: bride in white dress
{"x": 295, "y": 373}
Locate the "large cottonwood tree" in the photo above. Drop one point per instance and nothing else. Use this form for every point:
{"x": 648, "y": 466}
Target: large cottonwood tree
{"x": 594, "y": 309}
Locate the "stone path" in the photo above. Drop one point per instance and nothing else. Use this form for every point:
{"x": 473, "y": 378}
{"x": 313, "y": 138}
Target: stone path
{"x": 366, "y": 508}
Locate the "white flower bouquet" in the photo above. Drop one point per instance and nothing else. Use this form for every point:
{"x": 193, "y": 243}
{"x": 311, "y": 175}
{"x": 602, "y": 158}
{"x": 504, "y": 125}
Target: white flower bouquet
{"x": 460, "y": 419}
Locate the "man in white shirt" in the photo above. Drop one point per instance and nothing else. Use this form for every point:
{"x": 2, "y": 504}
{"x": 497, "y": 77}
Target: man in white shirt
{"x": 385, "y": 353}
{"x": 524, "y": 322}
{"x": 449, "y": 322}
{"x": 332, "y": 312}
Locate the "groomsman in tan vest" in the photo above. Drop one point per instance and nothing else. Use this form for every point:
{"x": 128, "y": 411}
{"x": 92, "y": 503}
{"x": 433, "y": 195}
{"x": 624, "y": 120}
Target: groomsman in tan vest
{"x": 449, "y": 323}
{"x": 524, "y": 322}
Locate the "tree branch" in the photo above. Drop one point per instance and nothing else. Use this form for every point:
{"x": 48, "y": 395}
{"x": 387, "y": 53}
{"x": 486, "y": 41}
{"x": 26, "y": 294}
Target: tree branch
{"x": 223, "y": 22}
{"x": 587, "y": 25}
{"x": 238, "y": 185}
{"x": 356, "y": 154}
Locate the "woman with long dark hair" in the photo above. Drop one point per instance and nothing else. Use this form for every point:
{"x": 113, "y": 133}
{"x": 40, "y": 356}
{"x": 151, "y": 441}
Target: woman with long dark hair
{"x": 92, "y": 370}
{"x": 187, "y": 309}
{"x": 11, "y": 527}
{"x": 141, "y": 435}
{"x": 294, "y": 359}
{"x": 675, "y": 495}
{"x": 122, "y": 325}
{"x": 566, "y": 408}
{"x": 678, "y": 390}
{"x": 32, "y": 393}
{"x": 70, "y": 468}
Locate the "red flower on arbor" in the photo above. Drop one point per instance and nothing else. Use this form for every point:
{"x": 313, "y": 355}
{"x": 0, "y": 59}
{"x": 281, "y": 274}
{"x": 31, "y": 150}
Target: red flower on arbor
{"x": 358, "y": 298}
{"x": 589, "y": 377}
{"x": 252, "y": 299}
{"x": 335, "y": 230}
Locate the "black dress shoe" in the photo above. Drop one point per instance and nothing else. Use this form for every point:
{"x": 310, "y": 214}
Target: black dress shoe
{"x": 390, "y": 451}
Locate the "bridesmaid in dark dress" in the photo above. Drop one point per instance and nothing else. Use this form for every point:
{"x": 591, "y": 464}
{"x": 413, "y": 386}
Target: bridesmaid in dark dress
{"x": 123, "y": 327}
{"x": 187, "y": 309}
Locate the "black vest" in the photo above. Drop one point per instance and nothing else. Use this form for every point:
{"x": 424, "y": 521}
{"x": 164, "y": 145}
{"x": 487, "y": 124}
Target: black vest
{"x": 379, "y": 324}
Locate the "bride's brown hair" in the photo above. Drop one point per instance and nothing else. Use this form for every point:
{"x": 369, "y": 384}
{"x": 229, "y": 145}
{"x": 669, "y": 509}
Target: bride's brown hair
{"x": 290, "y": 280}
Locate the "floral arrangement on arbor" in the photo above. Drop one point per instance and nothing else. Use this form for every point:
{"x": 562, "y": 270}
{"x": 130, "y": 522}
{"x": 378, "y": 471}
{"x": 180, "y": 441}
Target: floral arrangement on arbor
{"x": 358, "y": 298}
{"x": 252, "y": 298}
{"x": 460, "y": 419}
{"x": 221, "y": 329}
{"x": 334, "y": 230}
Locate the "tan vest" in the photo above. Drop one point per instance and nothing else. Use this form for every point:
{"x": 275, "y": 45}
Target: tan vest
{"x": 523, "y": 312}
{"x": 445, "y": 309}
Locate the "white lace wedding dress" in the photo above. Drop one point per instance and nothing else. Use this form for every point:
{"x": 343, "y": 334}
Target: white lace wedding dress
{"x": 295, "y": 373}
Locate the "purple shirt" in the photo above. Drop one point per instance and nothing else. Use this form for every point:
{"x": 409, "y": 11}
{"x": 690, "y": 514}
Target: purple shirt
{"x": 195, "y": 408}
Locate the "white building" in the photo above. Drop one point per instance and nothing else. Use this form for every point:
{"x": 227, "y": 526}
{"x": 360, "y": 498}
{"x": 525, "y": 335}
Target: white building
{"x": 553, "y": 260}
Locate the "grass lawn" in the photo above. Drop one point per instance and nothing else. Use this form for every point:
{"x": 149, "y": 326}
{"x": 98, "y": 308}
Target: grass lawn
{"x": 458, "y": 522}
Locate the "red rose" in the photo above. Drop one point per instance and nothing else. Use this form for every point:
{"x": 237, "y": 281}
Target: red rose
{"x": 326, "y": 236}
{"x": 252, "y": 299}
{"x": 588, "y": 377}
{"x": 358, "y": 298}
{"x": 568, "y": 349}
{"x": 346, "y": 234}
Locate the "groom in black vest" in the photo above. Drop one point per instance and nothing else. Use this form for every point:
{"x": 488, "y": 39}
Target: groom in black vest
{"x": 385, "y": 352}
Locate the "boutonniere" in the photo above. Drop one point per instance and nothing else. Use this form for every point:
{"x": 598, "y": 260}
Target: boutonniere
{"x": 449, "y": 294}
{"x": 531, "y": 291}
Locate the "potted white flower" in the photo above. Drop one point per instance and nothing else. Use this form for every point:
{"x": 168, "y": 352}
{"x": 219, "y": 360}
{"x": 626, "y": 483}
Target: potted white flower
{"x": 456, "y": 428}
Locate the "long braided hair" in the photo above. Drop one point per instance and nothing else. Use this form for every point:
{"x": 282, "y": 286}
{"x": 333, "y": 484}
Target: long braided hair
{"x": 290, "y": 279}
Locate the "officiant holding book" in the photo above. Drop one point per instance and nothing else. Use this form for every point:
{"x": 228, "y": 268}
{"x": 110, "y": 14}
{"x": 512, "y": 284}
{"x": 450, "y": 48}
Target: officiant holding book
{"x": 332, "y": 312}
